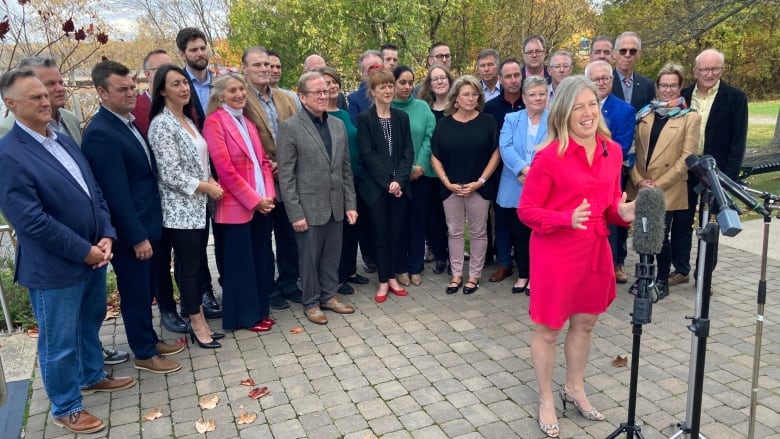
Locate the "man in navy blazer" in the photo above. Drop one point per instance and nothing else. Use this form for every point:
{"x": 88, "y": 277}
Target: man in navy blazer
{"x": 621, "y": 121}
{"x": 627, "y": 84}
{"x": 125, "y": 167}
{"x": 49, "y": 195}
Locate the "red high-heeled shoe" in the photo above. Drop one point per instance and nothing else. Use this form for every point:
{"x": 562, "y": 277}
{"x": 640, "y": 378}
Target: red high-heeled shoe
{"x": 398, "y": 292}
{"x": 268, "y": 321}
{"x": 260, "y": 327}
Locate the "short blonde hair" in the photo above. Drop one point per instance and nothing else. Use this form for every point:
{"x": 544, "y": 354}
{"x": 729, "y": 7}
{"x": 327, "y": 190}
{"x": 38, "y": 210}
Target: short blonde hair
{"x": 560, "y": 112}
{"x": 218, "y": 87}
{"x": 463, "y": 81}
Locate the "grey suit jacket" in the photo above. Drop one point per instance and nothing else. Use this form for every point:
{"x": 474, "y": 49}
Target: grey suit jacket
{"x": 314, "y": 186}
{"x": 68, "y": 118}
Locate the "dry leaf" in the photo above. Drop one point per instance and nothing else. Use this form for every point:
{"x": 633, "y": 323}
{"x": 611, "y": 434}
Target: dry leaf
{"x": 209, "y": 401}
{"x": 259, "y": 392}
{"x": 620, "y": 361}
{"x": 153, "y": 414}
{"x": 181, "y": 340}
{"x": 248, "y": 382}
{"x": 246, "y": 417}
{"x": 111, "y": 314}
{"x": 32, "y": 332}
{"x": 296, "y": 330}
{"x": 203, "y": 425}
{"x": 370, "y": 436}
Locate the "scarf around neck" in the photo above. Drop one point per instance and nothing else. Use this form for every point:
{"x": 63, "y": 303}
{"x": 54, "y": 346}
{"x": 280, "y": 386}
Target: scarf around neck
{"x": 671, "y": 109}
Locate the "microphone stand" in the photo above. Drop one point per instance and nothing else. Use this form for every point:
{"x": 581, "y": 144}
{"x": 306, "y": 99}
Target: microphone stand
{"x": 770, "y": 202}
{"x": 643, "y": 310}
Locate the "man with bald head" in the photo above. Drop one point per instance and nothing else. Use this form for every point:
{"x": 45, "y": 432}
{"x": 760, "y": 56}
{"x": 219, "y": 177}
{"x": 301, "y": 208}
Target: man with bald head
{"x": 621, "y": 121}
{"x": 724, "y": 121}
{"x": 313, "y": 63}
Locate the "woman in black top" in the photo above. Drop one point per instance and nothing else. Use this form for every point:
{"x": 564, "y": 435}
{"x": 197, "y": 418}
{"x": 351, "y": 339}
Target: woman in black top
{"x": 386, "y": 153}
{"x": 464, "y": 155}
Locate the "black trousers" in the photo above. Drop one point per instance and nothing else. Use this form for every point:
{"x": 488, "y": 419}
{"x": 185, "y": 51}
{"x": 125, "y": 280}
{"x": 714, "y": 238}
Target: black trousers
{"x": 390, "y": 220}
{"x": 189, "y": 246}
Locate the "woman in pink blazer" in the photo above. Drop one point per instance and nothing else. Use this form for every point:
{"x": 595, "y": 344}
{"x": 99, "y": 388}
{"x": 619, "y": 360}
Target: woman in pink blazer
{"x": 246, "y": 176}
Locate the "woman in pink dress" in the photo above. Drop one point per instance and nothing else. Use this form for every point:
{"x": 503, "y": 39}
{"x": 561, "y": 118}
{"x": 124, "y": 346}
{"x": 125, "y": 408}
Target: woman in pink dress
{"x": 572, "y": 191}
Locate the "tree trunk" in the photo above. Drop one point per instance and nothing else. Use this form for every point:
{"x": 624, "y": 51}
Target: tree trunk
{"x": 775, "y": 143}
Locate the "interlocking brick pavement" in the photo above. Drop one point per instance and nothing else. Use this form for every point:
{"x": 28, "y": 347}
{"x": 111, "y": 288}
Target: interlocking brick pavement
{"x": 431, "y": 365}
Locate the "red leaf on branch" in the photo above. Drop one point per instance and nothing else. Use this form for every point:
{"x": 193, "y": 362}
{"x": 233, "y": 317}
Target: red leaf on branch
{"x": 68, "y": 26}
{"x": 102, "y": 38}
{"x": 80, "y": 35}
{"x": 5, "y": 26}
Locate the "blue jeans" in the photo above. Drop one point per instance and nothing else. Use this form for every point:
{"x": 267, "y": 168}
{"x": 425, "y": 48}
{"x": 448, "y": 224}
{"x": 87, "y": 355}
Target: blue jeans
{"x": 504, "y": 242}
{"x": 69, "y": 352}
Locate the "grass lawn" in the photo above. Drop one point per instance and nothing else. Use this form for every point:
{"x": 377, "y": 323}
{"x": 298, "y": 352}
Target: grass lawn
{"x": 764, "y": 108}
{"x": 759, "y": 135}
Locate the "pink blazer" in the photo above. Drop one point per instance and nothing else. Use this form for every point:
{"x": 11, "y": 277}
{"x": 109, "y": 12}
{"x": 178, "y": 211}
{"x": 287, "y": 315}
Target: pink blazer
{"x": 235, "y": 169}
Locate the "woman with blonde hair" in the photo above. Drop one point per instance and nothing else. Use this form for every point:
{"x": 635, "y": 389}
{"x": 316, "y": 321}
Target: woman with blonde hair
{"x": 465, "y": 154}
{"x": 571, "y": 192}
{"x": 245, "y": 174}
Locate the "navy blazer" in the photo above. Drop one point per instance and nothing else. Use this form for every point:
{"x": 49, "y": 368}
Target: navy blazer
{"x": 128, "y": 180}
{"x": 725, "y": 135}
{"x": 56, "y": 222}
{"x": 643, "y": 89}
{"x": 378, "y": 166}
{"x": 621, "y": 121}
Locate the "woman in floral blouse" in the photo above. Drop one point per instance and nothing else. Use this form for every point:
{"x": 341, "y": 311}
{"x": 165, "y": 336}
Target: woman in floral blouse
{"x": 185, "y": 186}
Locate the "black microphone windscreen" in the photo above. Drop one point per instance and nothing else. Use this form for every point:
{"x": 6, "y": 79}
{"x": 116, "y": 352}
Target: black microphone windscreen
{"x": 649, "y": 221}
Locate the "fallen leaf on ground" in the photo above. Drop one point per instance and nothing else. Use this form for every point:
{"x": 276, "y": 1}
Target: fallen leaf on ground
{"x": 259, "y": 392}
{"x": 620, "y": 361}
{"x": 248, "y": 382}
{"x": 181, "y": 340}
{"x": 203, "y": 425}
{"x": 111, "y": 314}
{"x": 209, "y": 401}
{"x": 296, "y": 330}
{"x": 246, "y": 417}
{"x": 370, "y": 436}
{"x": 32, "y": 332}
{"x": 153, "y": 414}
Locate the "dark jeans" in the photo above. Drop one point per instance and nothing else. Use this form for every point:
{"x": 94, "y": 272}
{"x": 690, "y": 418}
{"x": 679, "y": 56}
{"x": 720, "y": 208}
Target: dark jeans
{"x": 665, "y": 257}
{"x": 411, "y": 258}
{"x": 389, "y": 216}
{"x": 286, "y": 252}
{"x": 504, "y": 238}
{"x": 682, "y": 230}
{"x": 521, "y": 239}
{"x": 190, "y": 249}
{"x": 349, "y": 248}
{"x": 366, "y": 237}
{"x": 436, "y": 223}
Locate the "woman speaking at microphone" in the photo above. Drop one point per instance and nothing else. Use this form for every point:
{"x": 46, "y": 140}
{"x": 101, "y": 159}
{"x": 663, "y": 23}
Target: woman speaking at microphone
{"x": 667, "y": 132}
{"x": 571, "y": 192}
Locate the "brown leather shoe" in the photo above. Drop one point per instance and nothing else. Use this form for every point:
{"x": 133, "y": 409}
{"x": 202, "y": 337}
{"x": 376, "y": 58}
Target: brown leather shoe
{"x": 416, "y": 279}
{"x": 334, "y": 305}
{"x": 620, "y": 276}
{"x": 315, "y": 315}
{"x": 110, "y": 384}
{"x": 500, "y": 274}
{"x": 80, "y": 422}
{"x": 168, "y": 348}
{"x": 678, "y": 278}
{"x": 158, "y": 364}
{"x": 403, "y": 279}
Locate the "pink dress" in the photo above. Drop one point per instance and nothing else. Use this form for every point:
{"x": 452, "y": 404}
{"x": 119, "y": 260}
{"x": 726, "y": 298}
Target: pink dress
{"x": 571, "y": 270}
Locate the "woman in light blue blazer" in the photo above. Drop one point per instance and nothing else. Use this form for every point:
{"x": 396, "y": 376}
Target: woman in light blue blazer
{"x": 521, "y": 133}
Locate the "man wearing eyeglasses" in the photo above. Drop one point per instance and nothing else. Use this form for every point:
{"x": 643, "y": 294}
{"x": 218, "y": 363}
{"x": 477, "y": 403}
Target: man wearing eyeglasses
{"x": 724, "y": 121}
{"x": 561, "y": 66}
{"x": 628, "y": 85}
{"x": 620, "y": 118}
{"x": 315, "y": 179}
{"x": 533, "y": 57}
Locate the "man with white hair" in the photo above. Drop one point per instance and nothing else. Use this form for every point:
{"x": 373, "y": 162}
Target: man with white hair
{"x": 628, "y": 85}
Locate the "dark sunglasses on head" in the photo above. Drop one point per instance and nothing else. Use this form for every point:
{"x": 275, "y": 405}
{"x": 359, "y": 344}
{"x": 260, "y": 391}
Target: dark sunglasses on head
{"x": 630, "y": 51}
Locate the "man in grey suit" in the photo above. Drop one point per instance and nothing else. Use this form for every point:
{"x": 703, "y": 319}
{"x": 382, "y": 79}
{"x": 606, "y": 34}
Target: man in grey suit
{"x": 315, "y": 178}
{"x": 62, "y": 120}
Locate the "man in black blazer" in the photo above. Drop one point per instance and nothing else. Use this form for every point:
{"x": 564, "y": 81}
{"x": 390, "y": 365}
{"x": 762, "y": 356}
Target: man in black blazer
{"x": 724, "y": 120}
{"x": 628, "y": 85}
{"x": 125, "y": 168}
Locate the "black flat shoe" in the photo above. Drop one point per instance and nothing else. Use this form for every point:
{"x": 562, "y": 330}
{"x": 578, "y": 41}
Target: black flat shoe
{"x": 357, "y": 279}
{"x": 345, "y": 289}
{"x": 172, "y": 322}
{"x": 454, "y": 289}
{"x": 470, "y": 290}
{"x": 278, "y": 302}
{"x": 439, "y": 267}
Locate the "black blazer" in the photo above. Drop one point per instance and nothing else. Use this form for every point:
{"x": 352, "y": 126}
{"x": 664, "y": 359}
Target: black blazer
{"x": 128, "y": 180}
{"x": 643, "y": 90}
{"x": 725, "y": 135}
{"x": 379, "y": 168}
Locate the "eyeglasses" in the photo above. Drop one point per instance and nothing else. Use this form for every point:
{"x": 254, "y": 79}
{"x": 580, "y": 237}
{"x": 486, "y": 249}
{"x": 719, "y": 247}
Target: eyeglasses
{"x": 711, "y": 70}
{"x": 601, "y": 79}
{"x": 536, "y": 52}
{"x": 318, "y": 92}
{"x": 443, "y": 56}
{"x": 668, "y": 86}
{"x": 439, "y": 79}
{"x": 560, "y": 66}
{"x": 632, "y": 52}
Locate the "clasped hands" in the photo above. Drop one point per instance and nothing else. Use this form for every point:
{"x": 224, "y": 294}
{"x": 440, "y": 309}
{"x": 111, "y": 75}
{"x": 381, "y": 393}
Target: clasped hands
{"x": 464, "y": 190}
{"x": 266, "y": 205}
{"x": 395, "y": 189}
{"x": 100, "y": 254}
{"x": 582, "y": 213}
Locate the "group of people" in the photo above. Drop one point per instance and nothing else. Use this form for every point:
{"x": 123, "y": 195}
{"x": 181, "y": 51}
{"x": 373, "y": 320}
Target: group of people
{"x": 537, "y": 165}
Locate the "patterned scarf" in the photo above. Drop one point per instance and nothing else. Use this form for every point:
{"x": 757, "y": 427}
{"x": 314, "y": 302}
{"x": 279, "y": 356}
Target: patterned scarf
{"x": 672, "y": 109}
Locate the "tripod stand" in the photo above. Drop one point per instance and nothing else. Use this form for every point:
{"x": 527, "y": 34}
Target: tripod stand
{"x": 643, "y": 310}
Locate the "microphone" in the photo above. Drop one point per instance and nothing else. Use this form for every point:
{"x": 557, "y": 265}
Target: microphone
{"x": 649, "y": 222}
{"x": 604, "y": 148}
{"x": 649, "y": 227}
{"x": 739, "y": 192}
{"x": 707, "y": 171}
